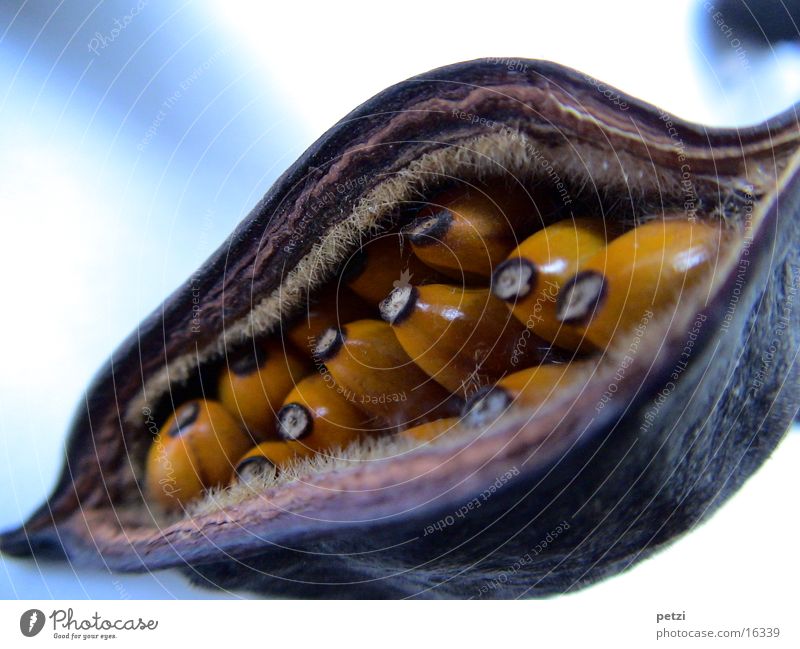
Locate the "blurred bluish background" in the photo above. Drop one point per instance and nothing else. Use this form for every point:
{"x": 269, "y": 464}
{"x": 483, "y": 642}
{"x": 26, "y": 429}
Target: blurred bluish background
{"x": 135, "y": 134}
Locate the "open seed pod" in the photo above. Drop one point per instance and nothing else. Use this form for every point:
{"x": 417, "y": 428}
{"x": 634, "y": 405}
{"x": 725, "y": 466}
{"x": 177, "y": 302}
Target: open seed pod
{"x": 551, "y": 456}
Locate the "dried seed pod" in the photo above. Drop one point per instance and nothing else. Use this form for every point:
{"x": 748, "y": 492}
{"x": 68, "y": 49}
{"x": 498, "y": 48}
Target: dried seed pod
{"x": 681, "y": 408}
{"x": 636, "y": 275}
{"x": 531, "y": 279}
{"x": 373, "y": 372}
{"x": 254, "y": 384}
{"x": 195, "y": 448}
{"x": 466, "y": 233}
{"x": 462, "y": 338}
{"x": 318, "y": 416}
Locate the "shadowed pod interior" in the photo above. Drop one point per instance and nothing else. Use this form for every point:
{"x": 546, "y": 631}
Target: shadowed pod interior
{"x": 626, "y": 477}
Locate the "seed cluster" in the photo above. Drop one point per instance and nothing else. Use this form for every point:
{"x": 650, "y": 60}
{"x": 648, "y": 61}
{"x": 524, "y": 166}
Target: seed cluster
{"x": 463, "y": 312}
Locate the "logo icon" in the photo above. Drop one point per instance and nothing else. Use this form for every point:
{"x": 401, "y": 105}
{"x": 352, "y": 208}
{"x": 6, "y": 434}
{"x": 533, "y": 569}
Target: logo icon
{"x": 31, "y": 622}
{"x": 405, "y": 279}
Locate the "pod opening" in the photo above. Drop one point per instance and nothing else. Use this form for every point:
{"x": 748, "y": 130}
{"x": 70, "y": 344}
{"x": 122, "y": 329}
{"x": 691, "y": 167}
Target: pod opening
{"x": 520, "y": 268}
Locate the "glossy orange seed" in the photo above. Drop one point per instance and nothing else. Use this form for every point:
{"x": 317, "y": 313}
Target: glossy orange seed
{"x": 638, "y": 274}
{"x": 317, "y": 415}
{"x": 530, "y": 387}
{"x": 466, "y": 233}
{"x": 195, "y": 449}
{"x": 383, "y": 263}
{"x": 431, "y": 430}
{"x": 530, "y": 280}
{"x": 269, "y": 458}
{"x": 462, "y": 338}
{"x": 332, "y": 309}
{"x": 254, "y": 385}
{"x": 375, "y": 374}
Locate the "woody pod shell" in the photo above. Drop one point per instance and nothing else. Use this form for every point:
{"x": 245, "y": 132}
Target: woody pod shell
{"x": 626, "y": 477}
